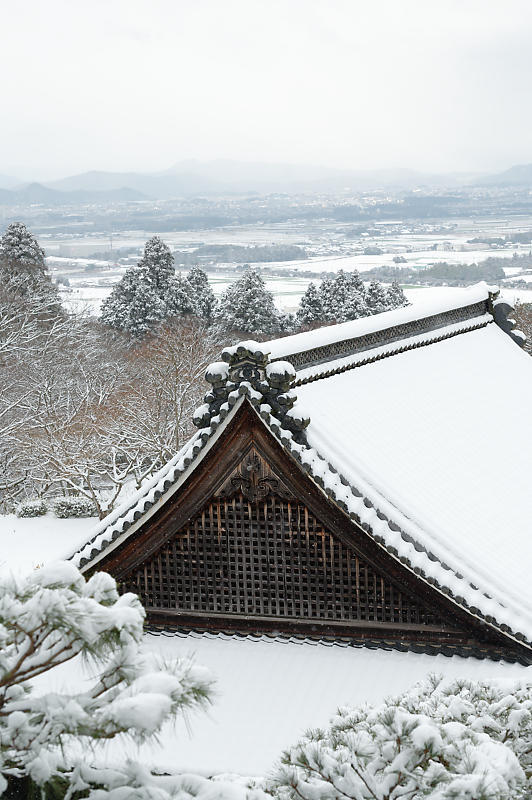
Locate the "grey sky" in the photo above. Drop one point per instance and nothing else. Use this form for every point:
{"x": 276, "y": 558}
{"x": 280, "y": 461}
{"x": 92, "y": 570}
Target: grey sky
{"x": 140, "y": 84}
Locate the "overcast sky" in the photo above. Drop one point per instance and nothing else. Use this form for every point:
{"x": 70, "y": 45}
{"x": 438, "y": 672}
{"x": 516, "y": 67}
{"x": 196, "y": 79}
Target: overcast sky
{"x": 140, "y": 84}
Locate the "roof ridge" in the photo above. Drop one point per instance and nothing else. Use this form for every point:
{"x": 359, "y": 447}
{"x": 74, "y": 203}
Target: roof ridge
{"x": 416, "y": 341}
{"x": 300, "y": 348}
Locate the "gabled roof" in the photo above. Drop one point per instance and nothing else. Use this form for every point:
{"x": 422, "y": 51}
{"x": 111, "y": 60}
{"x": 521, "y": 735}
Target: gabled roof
{"x": 414, "y": 422}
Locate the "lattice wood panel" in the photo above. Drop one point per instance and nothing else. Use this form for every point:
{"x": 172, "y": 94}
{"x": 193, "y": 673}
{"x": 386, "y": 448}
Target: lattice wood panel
{"x": 268, "y": 557}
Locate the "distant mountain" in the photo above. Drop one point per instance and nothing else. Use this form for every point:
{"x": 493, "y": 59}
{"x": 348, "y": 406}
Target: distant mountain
{"x": 158, "y": 186}
{"x": 519, "y": 175}
{"x": 38, "y": 193}
{"x": 224, "y": 176}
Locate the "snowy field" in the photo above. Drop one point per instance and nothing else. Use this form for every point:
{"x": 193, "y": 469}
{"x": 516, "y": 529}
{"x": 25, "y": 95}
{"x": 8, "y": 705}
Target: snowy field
{"x": 29, "y": 542}
{"x": 415, "y": 259}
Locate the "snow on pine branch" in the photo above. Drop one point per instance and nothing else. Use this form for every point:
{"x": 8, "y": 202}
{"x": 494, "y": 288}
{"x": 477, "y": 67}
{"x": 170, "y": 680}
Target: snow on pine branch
{"x": 461, "y": 739}
{"x": 52, "y": 616}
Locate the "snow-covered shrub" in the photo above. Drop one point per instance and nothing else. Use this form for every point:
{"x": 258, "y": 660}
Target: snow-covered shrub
{"x": 52, "y": 616}
{"x": 74, "y": 507}
{"x": 460, "y": 739}
{"x": 31, "y": 508}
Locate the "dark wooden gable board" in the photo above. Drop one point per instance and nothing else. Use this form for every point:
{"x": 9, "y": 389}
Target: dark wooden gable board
{"x": 224, "y": 472}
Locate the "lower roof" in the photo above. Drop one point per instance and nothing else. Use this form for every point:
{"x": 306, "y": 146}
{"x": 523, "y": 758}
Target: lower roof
{"x": 269, "y": 691}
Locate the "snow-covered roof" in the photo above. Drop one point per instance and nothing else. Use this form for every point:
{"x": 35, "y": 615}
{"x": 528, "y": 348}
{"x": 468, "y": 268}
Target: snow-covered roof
{"x": 419, "y": 430}
{"x": 269, "y": 691}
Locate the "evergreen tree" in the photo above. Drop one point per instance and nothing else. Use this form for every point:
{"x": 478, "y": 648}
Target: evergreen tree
{"x": 138, "y": 301}
{"x": 327, "y": 295}
{"x": 396, "y": 296}
{"x": 202, "y": 294}
{"x": 310, "y": 309}
{"x": 343, "y": 297}
{"x": 159, "y": 263}
{"x": 247, "y": 306}
{"x": 179, "y": 297}
{"x": 134, "y": 306}
{"x": 355, "y": 307}
{"x": 377, "y": 298}
{"x": 23, "y": 266}
{"x": 355, "y": 282}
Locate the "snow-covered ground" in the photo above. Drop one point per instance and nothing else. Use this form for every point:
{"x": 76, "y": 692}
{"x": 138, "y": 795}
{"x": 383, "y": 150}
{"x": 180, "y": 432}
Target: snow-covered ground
{"x": 29, "y": 542}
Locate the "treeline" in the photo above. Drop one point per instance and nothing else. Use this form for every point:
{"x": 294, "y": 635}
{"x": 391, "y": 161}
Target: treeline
{"x": 239, "y": 254}
{"x": 444, "y": 273}
{"x": 151, "y": 292}
{"x": 91, "y": 408}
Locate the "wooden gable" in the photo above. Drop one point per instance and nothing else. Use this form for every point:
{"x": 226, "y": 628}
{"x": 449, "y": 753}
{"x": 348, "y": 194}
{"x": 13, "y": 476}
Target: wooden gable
{"x": 250, "y": 544}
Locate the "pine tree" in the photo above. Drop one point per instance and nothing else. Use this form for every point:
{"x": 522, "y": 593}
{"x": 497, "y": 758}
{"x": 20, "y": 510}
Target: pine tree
{"x": 247, "y": 306}
{"x": 179, "y": 297}
{"x": 453, "y": 739}
{"x": 355, "y": 282}
{"x": 159, "y": 263}
{"x": 51, "y": 617}
{"x": 134, "y": 306}
{"x": 396, "y": 296}
{"x": 202, "y": 294}
{"x": 377, "y": 298}
{"x": 23, "y": 266}
{"x": 310, "y": 309}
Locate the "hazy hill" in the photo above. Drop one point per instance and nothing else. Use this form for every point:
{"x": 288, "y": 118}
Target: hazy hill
{"x": 158, "y": 186}
{"x": 38, "y": 193}
{"x": 519, "y": 175}
{"x": 225, "y": 176}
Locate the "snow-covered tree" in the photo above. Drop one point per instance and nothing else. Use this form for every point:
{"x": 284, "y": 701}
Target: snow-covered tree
{"x": 355, "y": 307}
{"x": 179, "y": 297}
{"x": 23, "y": 265}
{"x": 439, "y": 740}
{"x": 54, "y": 616}
{"x": 310, "y": 311}
{"x": 248, "y": 307}
{"x": 396, "y": 296}
{"x": 202, "y": 294}
{"x": 327, "y": 296}
{"x": 20, "y": 252}
{"x": 134, "y": 305}
{"x": 137, "y": 303}
{"x": 159, "y": 264}
{"x": 377, "y": 298}
{"x": 343, "y": 297}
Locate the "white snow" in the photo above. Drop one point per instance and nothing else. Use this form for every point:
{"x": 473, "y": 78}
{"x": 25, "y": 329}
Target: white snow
{"x": 29, "y": 542}
{"x": 439, "y": 438}
{"x": 268, "y": 692}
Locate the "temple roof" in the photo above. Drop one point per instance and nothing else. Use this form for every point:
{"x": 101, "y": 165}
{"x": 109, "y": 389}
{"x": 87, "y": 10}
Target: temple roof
{"x": 415, "y": 422}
